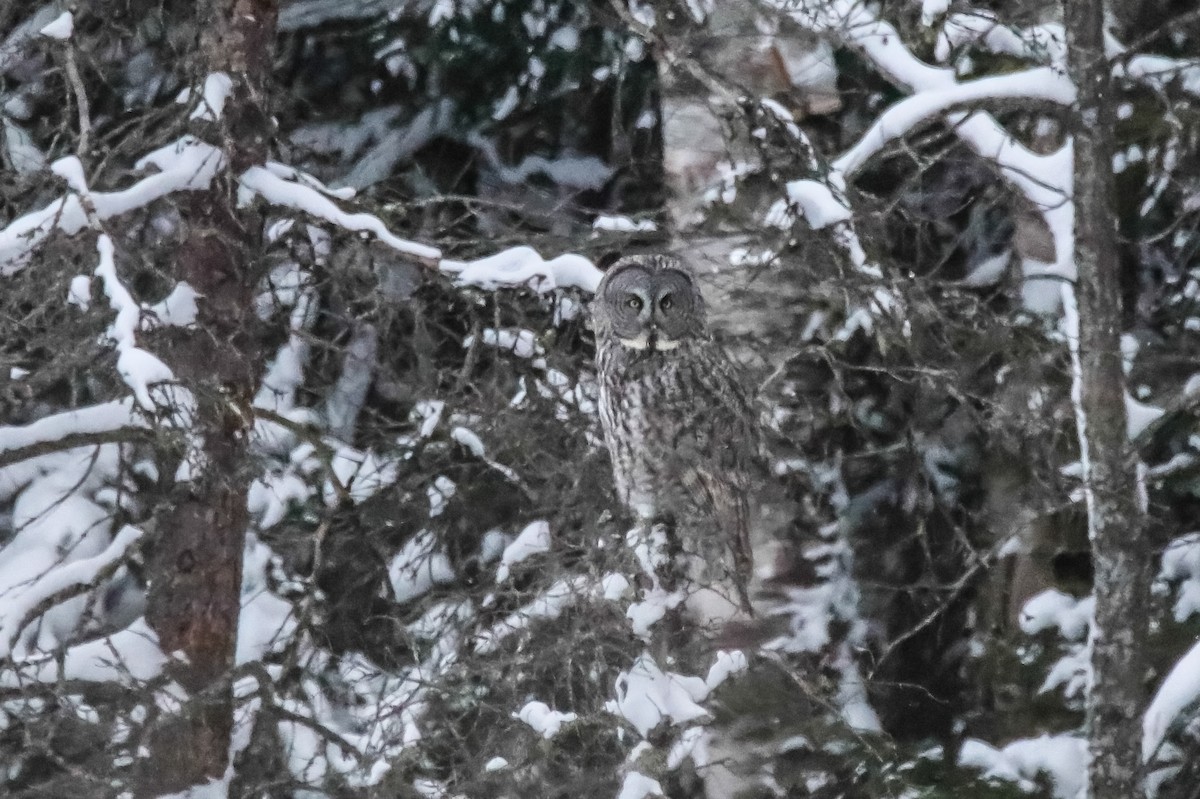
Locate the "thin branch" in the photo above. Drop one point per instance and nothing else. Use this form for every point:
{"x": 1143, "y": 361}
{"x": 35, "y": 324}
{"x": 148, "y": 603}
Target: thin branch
{"x": 121, "y": 435}
{"x": 81, "y": 102}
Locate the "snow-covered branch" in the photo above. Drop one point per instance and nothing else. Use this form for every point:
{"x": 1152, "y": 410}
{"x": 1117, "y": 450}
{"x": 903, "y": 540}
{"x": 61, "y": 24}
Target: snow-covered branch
{"x": 270, "y": 183}
{"x": 186, "y": 164}
{"x": 59, "y": 584}
{"x": 902, "y": 118}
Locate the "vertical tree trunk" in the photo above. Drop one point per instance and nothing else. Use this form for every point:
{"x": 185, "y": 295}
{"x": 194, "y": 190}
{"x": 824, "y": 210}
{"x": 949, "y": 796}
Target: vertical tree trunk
{"x": 1120, "y": 549}
{"x": 196, "y": 564}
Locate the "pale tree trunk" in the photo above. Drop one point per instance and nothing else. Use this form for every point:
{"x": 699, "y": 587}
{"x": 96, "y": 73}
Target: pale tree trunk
{"x": 1120, "y": 548}
{"x": 196, "y": 564}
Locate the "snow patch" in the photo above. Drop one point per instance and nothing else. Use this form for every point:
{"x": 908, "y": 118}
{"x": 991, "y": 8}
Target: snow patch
{"x": 533, "y": 540}
{"x": 543, "y": 720}
{"x": 61, "y": 28}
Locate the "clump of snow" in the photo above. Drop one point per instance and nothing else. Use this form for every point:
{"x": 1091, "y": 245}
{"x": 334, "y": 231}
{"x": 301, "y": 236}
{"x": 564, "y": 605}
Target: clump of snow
{"x": 271, "y": 497}
{"x": 651, "y": 609}
{"x": 614, "y": 586}
{"x": 361, "y": 474}
{"x": 725, "y": 666}
{"x": 623, "y": 224}
{"x": 129, "y": 656}
{"x": 549, "y": 605}
{"x": 693, "y": 744}
{"x": 80, "y": 292}
{"x": 1063, "y": 758}
{"x": 817, "y": 201}
{"x": 853, "y": 703}
{"x": 520, "y": 342}
{"x": 523, "y": 267}
{"x": 44, "y": 580}
{"x": 428, "y": 413}
{"x": 932, "y": 10}
{"x": 177, "y": 309}
{"x": 470, "y": 440}
{"x": 533, "y": 540}
{"x": 646, "y": 696}
{"x": 217, "y": 87}
{"x": 639, "y": 786}
{"x": 1073, "y": 672}
{"x": 1180, "y": 690}
{"x": 543, "y": 720}
{"x": 439, "y": 491}
{"x": 138, "y": 368}
{"x": 266, "y": 622}
{"x": 1139, "y": 415}
{"x": 418, "y": 567}
{"x": 1055, "y": 609}
{"x": 61, "y": 28}
{"x": 1181, "y": 566}
{"x": 1072, "y": 618}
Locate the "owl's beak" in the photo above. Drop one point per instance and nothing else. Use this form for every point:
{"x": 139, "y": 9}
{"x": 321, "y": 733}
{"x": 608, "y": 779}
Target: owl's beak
{"x": 660, "y": 344}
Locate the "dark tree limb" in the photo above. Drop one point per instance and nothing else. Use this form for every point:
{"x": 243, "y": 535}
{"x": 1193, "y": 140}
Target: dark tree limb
{"x": 195, "y": 565}
{"x": 121, "y": 435}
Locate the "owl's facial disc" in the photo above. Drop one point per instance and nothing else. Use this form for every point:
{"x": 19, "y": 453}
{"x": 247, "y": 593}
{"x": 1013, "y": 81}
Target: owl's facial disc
{"x": 653, "y": 310}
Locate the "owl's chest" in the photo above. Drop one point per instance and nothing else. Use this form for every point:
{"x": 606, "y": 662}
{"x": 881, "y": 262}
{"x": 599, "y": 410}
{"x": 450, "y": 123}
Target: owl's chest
{"x": 665, "y": 420}
{"x": 651, "y": 403}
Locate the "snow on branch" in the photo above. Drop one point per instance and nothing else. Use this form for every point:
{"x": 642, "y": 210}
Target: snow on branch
{"x": 61, "y": 28}
{"x": 522, "y": 266}
{"x": 69, "y": 579}
{"x": 139, "y": 368}
{"x": 1179, "y": 691}
{"x": 187, "y": 164}
{"x": 217, "y": 87}
{"x": 292, "y": 193}
{"x": 855, "y": 24}
{"x": 1040, "y": 178}
{"x": 102, "y": 418}
{"x": 131, "y": 655}
{"x": 1041, "y": 83}
{"x": 1044, "y": 180}
{"x": 1046, "y": 43}
{"x": 822, "y": 202}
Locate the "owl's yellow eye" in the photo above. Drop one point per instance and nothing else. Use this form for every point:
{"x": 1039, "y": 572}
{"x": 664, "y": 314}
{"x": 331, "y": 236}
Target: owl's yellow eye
{"x": 666, "y": 302}
{"x": 634, "y": 302}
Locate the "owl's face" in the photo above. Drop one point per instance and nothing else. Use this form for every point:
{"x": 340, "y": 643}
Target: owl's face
{"x": 649, "y": 303}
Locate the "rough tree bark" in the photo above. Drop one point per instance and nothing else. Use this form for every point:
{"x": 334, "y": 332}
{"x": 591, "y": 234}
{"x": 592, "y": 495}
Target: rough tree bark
{"x": 1120, "y": 549}
{"x": 195, "y": 565}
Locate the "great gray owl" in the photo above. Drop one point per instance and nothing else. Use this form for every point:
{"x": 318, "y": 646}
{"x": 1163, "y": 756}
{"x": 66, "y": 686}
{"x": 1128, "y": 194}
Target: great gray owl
{"x": 683, "y": 437}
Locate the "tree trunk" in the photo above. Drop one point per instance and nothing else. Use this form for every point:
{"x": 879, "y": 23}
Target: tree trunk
{"x": 196, "y": 563}
{"x": 1120, "y": 549}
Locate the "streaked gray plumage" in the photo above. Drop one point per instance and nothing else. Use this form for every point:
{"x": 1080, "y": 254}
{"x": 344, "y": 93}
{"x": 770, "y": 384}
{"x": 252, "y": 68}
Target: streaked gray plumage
{"x": 683, "y": 437}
